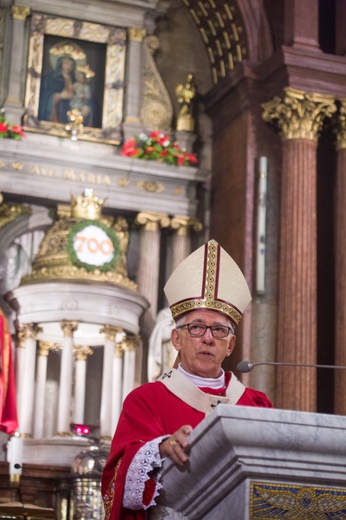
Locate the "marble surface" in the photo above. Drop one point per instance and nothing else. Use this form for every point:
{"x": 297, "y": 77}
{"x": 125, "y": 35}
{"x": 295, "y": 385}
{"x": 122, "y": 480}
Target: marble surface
{"x": 235, "y": 444}
{"x": 59, "y": 451}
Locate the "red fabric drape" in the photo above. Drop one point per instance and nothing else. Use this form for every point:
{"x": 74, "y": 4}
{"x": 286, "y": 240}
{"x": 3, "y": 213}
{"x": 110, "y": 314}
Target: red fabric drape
{"x": 8, "y": 406}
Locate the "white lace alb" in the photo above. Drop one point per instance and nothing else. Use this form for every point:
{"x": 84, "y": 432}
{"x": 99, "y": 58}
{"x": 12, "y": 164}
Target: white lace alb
{"x": 146, "y": 460}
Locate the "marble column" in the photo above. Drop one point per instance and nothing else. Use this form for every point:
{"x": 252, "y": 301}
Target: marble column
{"x": 111, "y": 381}
{"x": 117, "y": 397}
{"x": 148, "y": 272}
{"x": 41, "y": 377}
{"x": 129, "y": 345}
{"x": 340, "y": 265}
{"x": 66, "y": 373}
{"x": 300, "y": 118}
{"x": 181, "y": 240}
{"x": 81, "y": 352}
{"x": 132, "y": 123}
{"x": 27, "y": 337}
{"x": 14, "y": 104}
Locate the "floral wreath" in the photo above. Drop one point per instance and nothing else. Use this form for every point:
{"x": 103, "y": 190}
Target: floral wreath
{"x": 79, "y": 226}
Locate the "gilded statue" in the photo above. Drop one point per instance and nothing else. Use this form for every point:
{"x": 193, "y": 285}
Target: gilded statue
{"x": 186, "y": 94}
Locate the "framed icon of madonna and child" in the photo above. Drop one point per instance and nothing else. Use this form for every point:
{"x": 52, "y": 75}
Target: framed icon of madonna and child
{"x": 75, "y": 77}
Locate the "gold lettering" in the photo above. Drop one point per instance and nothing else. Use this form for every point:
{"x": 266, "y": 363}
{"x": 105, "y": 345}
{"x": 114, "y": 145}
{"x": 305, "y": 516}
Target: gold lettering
{"x": 107, "y": 180}
{"x": 42, "y": 171}
{"x": 91, "y": 178}
{"x": 69, "y": 174}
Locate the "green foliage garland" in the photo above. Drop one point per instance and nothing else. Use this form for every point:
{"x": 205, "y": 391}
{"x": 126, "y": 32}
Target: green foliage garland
{"x": 76, "y": 228}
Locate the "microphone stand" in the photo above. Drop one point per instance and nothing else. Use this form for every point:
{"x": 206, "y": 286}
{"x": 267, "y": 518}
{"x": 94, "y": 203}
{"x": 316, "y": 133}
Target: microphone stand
{"x": 247, "y": 366}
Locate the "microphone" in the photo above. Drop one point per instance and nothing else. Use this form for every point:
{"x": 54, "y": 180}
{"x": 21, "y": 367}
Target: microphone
{"x": 247, "y": 366}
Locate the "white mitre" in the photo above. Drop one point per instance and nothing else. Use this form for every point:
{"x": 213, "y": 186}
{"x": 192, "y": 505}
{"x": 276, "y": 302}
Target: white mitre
{"x": 208, "y": 279}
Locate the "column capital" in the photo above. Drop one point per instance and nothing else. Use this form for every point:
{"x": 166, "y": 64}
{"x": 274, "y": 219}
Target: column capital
{"x": 118, "y": 350}
{"x": 28, "y": 331}
{"x": 82, "y": 352}
{"x": 340, "y": 125}
{"x": 137, "y": 34}
{"x": 69, "y": 327}
{"x": 110, "y": 332}
{"x": 181, "y": 224}
{"x": 152, "y": 221}
{"x": 20, "y": 12}
{"x": 299, "y": 115}
{"x": 45, "y": 346}
{"x": 130, "y": 342}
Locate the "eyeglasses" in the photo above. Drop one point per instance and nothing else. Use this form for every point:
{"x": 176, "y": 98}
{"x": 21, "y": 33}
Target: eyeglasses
{"x": 197, "y": 330}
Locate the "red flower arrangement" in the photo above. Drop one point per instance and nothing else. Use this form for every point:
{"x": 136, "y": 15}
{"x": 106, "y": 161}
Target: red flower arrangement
{"x": 157, "y": 146}
{"x": 8, "y": 130}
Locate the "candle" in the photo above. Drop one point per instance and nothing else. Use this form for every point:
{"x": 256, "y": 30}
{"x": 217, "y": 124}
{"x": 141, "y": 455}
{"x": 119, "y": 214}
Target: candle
{"x": 261, "y": 226}
{"x": 15, "y": 454}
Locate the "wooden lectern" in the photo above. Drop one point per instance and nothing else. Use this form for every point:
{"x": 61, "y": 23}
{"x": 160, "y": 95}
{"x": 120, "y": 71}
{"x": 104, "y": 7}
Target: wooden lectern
{"x": 256, "y": 463}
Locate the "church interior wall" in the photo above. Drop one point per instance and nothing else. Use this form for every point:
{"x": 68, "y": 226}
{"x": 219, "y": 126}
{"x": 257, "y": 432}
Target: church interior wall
{"x": 230, "y": 136}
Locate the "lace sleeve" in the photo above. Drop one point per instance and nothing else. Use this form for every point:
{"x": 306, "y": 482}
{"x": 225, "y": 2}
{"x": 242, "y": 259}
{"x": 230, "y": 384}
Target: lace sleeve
{"x": 144, "y": 462}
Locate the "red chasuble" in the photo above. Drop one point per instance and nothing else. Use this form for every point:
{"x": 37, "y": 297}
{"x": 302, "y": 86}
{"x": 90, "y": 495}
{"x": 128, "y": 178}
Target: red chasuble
{"x": 151, "y": 411}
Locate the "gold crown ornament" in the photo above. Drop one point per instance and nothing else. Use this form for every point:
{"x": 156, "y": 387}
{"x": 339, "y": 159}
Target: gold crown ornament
{"x": 86, "y": 70}
{"x": 208, "y": 279}
{"x": 87, "y": 205}
{"x": 67, "y": 49}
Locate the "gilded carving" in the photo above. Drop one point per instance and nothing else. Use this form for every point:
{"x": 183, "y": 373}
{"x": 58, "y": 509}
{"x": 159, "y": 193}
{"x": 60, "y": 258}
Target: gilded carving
{"x": 152, "y": 221}
{"x": 130, "y": 342}
{"x": 17, "y": 165}
{"x": 181, "y": 224}
{"x": 340, "y": 126}
{"x": 68, "y": 328}
{"x": 45, "y": 346}
{"x": 110, "y": 332}
{"x": 299, "y": 115}
{"x": 186, "y": 93}
{"x": 53, "y": 261}
{"x": 137, "y": 34}
{"x": 20, "y": 12}
{"x": 10, "y": 212}
{"x": 157, "y": 108}
{"x": 28, "y": 331}
{"x": 82, "y": 352}
{"x": 151, "y": 186}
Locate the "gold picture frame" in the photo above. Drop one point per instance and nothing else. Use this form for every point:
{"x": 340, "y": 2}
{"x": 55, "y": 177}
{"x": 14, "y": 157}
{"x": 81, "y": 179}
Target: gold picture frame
{"x": 95, "y": 55}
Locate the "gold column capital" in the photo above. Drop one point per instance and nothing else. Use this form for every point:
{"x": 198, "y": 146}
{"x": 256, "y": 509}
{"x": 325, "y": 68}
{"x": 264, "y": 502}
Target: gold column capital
{"x": 152, "y": 221}
{"x": 118, "y": 350}
{"x": 45, "y": 346}
{"x": 340, "y": 125}
{"x": 130, "y": 342}
{"x": 28, "y": 331}
{"x": 110, "y": 332}
{"x": 137, "y": 34}
{"x": 10, "y": 212}
{"x": 20, "y": 12}
{"x": 299, "y": 115}
{"x": 69, "y": 327}
{"x": 181, "y": 224}
{"x": 82, "y": 352}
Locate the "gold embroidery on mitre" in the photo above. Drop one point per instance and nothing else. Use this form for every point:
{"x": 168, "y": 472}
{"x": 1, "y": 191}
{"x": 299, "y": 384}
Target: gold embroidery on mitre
{"x": 208, "y": 302}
